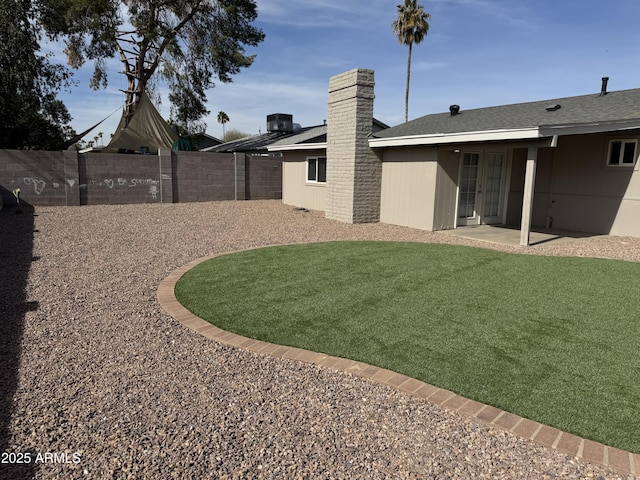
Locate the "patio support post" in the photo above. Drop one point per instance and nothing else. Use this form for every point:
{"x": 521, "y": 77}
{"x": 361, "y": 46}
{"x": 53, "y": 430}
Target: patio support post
{"x": 527, "y": 199}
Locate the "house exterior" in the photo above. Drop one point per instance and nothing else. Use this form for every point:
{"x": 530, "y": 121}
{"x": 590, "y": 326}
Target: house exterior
{"x": 567, "y": 163}
{"x": 304, "y": 167}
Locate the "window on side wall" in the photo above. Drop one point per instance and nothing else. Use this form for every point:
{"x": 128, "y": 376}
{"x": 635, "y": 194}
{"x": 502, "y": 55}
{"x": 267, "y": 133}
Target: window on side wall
{"x": 622, "y": 153}
{"x": 317, "y": 169}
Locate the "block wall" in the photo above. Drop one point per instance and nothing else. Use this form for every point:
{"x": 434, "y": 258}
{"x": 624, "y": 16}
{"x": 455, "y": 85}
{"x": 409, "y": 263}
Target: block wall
{"x": 263, "y": 177}
{"x": 202, "y": 177}
{"x": 117, "y": 179}
{"x": 69, "y": 178}
{"x": 39, "y": 175}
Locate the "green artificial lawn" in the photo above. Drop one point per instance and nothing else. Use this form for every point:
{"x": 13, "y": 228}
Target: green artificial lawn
{"x": 552, "y": 339}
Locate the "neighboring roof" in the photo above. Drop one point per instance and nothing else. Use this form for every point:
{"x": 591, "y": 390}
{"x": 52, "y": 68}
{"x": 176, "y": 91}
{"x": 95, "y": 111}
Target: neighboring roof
{"x": 205, "y": 141}
{"x": 582, "y": 114}
{"x": 146, "y": 129}
{"x": 253, "y": 143}
{"x": 312, "y": 138}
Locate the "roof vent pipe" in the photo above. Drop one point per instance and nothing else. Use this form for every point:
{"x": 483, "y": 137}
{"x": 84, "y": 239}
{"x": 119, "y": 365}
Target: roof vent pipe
{"x": 604, "y": 86}
{"x": 454, "y": 109}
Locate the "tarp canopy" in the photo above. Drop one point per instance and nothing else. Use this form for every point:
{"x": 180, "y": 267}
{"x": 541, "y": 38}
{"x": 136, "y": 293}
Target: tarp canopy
{"x": 183, "y": 144}
{"x": 76, "y": 138}
{"x": 146, "y": 133}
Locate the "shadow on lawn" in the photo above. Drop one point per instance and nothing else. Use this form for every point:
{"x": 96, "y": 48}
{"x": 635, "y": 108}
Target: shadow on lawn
{"x": 16, "y": 255}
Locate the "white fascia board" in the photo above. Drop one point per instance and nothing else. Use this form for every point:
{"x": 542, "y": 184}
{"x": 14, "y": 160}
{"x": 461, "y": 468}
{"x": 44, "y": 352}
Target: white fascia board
{"x": 583, "y": 128}
{"x": 298, "y": 146}
{"x": 460, "y": 137}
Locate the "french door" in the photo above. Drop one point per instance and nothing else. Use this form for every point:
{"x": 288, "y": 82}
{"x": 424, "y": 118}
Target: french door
{"x": 481, "y": 188}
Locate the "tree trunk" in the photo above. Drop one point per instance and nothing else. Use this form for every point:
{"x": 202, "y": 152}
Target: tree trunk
{"x": 406, "y": 96}
{"x": 137, "y": 75}
{"x": 133, "y": 96}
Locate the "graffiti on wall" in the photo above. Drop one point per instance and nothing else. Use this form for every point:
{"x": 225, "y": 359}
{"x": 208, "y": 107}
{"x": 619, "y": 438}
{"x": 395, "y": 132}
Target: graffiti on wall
{"x": 111, "y": 183}
{"x": 38, "y": 184}
{"x": 59, "y": 178}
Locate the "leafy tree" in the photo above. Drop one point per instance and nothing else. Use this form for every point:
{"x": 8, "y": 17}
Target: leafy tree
{"x": 411, "y": 26}
{"x": 187, "y": 43}
{"x": 234, "y": 134}
{"x": 30, "y": 114}
{"x": 222, "y": 119}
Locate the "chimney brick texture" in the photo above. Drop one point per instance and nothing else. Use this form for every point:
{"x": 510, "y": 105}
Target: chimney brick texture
{"x": 354, "y": 171}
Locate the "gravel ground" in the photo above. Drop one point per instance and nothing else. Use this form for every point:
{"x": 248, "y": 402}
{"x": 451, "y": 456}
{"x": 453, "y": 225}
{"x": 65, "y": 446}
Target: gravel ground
{"x": 97, "y": 374}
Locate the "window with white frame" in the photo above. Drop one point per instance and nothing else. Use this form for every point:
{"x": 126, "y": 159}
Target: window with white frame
{"x": 317, "y": 169}
{"x": 622, "y": 153}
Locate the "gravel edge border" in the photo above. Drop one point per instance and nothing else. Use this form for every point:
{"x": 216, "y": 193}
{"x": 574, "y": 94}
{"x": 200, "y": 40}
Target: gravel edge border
{"x": 587, "y": 450}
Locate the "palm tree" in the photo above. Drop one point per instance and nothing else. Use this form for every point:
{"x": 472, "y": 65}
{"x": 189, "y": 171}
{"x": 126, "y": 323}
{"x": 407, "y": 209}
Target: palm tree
{"x": 222, "y": 119}
{"x": 411, "y": 27}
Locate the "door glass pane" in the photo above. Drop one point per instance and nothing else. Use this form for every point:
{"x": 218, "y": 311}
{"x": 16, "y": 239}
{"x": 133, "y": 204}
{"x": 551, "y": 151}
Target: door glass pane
{"x": 493, "y": 181}
{"x": 468, "y": 183}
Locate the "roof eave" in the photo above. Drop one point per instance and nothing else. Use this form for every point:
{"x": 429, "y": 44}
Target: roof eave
{"x": 297, "y": 146}
{"x": 542, "y": 131}
{"x": 586, "y": 128}
{"x": 458, "y": 137}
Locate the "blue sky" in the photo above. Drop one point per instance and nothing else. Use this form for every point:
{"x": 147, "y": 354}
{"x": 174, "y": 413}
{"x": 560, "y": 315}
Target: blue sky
{"x": 477, "y": 53}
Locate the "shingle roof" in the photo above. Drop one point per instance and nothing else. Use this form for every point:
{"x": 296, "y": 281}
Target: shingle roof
{"x": 259, "y": 143}
{"x": 253, "y": 143}
{"x": 308, "y": 135}
{"x": 312, "y": 136}
{"x": 613, "y": 107}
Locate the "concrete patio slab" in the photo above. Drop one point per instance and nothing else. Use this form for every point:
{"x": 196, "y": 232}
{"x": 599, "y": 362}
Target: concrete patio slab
{"x": 511, "y": 235}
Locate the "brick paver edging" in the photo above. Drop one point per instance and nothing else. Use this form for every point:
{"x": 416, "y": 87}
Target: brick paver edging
{"x": 587, "y": 450}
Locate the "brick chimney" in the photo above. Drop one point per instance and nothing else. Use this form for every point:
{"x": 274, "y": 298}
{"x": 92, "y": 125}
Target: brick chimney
{"x": 354, "y": 171}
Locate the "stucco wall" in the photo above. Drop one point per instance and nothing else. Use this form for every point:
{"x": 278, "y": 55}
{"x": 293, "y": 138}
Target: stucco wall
{"x": 446, "y": 198}
{"x": 588, "y": 195}
{"x": 408, "y": 187}
{"x": 576, "y": 190}
{"x": 296, "y": 191}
